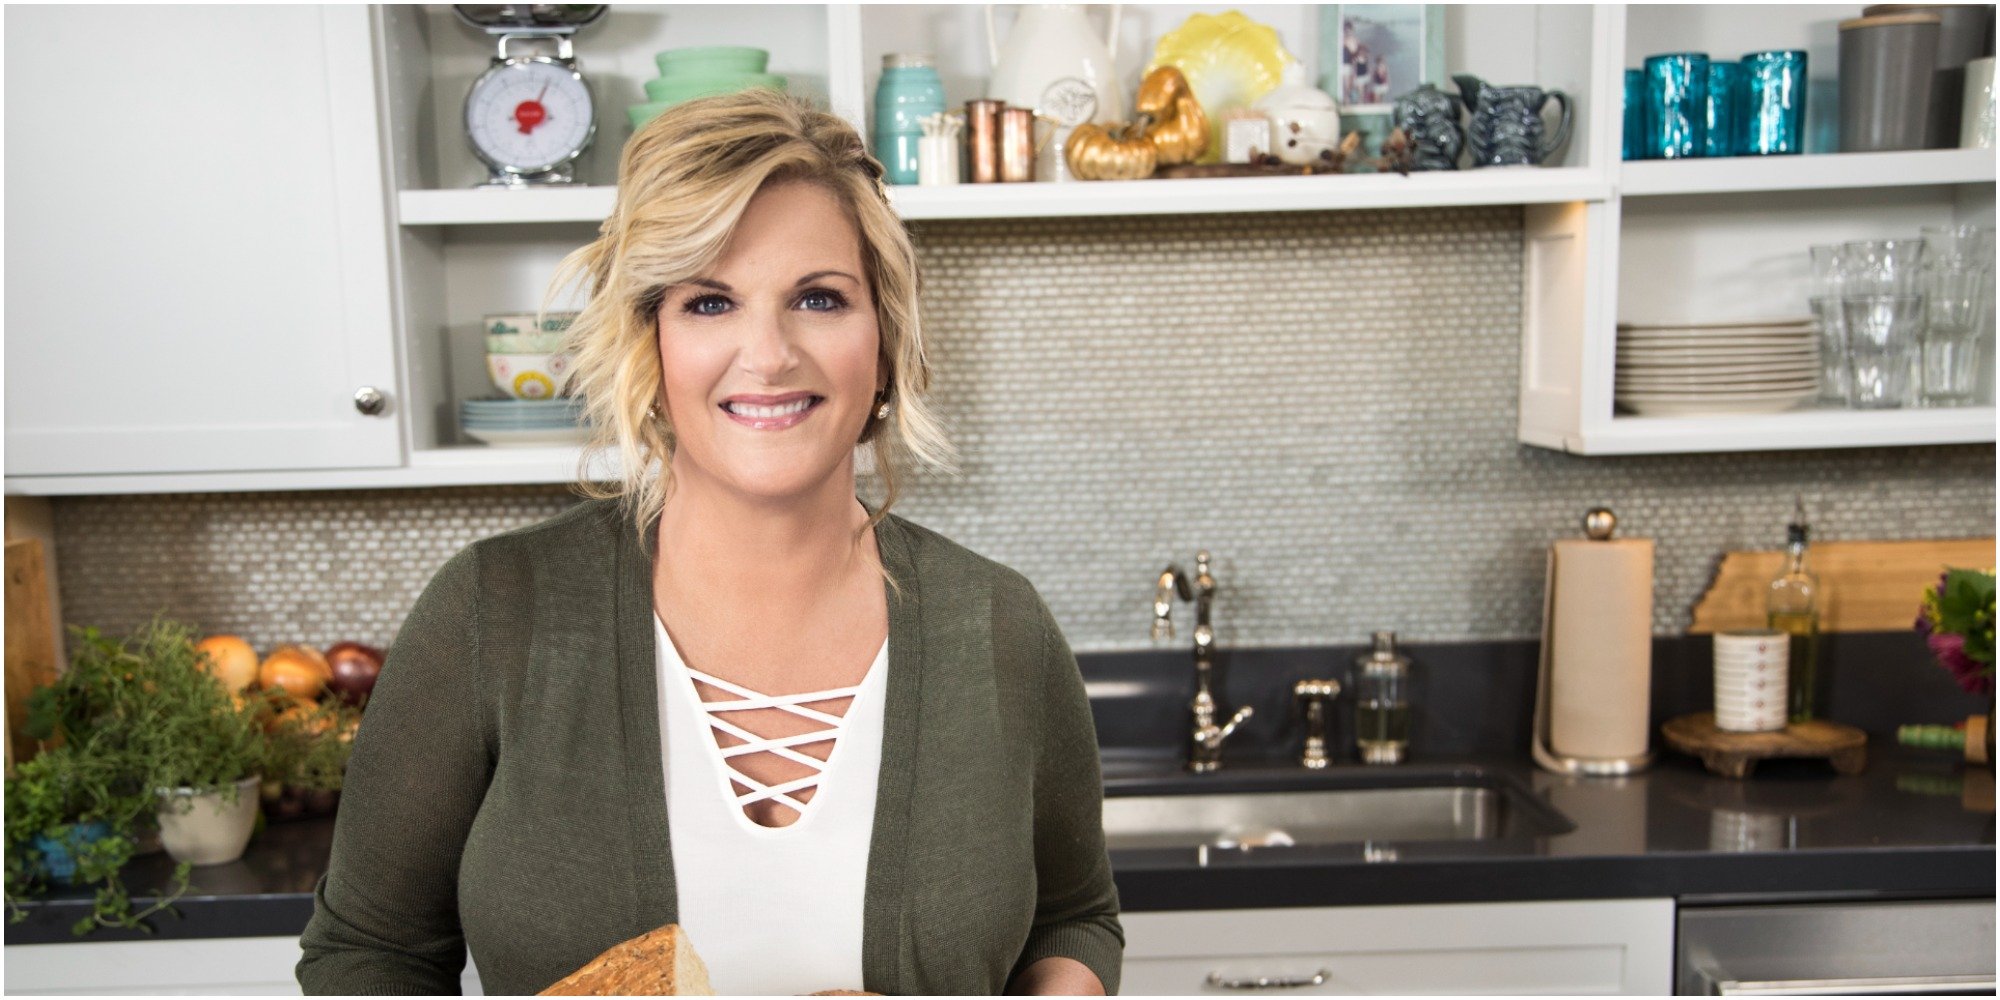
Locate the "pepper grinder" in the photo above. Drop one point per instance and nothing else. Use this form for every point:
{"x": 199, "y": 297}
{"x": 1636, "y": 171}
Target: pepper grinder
{"x": 1313, "y": 694}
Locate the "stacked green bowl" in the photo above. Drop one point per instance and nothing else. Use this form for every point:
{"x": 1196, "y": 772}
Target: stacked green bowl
{"x": 686, "y": 74}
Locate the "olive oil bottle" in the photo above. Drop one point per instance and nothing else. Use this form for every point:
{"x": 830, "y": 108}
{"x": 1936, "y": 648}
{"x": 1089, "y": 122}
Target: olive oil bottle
{"x": 1792, "y": 605}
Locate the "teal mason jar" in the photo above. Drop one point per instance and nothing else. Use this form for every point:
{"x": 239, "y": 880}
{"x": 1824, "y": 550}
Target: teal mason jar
{"x": 909, "y": 90}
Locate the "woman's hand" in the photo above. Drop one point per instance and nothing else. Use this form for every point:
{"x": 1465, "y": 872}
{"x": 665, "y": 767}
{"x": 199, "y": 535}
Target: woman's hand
{"x": 1057, "y": 976}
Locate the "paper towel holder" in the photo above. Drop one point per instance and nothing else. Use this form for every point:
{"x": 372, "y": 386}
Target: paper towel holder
{"x": 1598, "y": 525}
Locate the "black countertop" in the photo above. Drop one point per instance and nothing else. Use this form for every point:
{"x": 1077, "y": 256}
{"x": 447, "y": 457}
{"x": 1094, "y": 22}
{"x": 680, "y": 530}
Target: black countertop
{"x": 1914, "y": 824}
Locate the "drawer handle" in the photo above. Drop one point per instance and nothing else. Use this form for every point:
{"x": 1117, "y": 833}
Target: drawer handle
{"x": 1267, "y": 983}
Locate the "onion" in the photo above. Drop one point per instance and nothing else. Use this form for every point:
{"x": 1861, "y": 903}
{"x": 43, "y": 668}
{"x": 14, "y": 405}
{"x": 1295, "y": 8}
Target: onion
{"x": 230, "y": 660}
{"x": 300, "y": 670}
{"x": 355, "y": 668}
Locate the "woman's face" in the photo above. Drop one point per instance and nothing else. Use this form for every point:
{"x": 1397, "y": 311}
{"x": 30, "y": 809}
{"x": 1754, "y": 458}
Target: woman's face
{"x": 784, "y": 320}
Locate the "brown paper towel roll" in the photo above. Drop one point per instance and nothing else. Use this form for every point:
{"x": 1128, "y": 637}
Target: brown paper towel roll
{"x": 1600, "y": 646}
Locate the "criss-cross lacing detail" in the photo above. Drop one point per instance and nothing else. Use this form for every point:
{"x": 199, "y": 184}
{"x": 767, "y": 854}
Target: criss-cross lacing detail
{"x": 780, "y": 745}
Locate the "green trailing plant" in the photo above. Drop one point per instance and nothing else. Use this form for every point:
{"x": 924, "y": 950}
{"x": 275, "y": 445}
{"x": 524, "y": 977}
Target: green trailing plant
{"x": 57, "y": 794}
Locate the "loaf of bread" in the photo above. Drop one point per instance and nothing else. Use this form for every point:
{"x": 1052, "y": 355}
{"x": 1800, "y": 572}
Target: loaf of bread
{"x": 657, "y": 963}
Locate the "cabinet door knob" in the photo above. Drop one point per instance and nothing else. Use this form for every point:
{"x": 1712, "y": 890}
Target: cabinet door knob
{"x": 370, "y": 400}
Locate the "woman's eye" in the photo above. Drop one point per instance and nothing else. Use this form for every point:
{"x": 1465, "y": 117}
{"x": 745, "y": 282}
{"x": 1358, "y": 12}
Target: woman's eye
{"x": 822, "y": 300}
{"x": 706, "y": 305}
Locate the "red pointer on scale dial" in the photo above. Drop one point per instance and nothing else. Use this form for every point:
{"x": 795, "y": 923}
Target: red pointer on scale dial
{"x": 529, "y": 114}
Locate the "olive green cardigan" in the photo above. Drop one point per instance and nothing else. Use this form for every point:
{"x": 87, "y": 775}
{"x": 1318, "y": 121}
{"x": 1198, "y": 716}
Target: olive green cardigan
{"x": 506, "y": 789}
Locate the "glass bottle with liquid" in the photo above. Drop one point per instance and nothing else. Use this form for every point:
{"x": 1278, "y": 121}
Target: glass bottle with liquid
{"x": 1382, "y": 702}
{"x": 1792, "y": 605}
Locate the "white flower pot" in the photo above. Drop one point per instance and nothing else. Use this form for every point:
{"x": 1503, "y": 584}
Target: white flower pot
{"x": 203, "y": 829}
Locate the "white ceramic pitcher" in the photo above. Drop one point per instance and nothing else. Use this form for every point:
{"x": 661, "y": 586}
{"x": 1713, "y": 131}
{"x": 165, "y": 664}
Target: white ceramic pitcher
{"x": 1049, "y": 51}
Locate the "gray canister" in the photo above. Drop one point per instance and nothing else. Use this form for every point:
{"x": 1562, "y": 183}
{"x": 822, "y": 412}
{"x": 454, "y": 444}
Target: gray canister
{"x": 1887, "y": 66}
{"x": 1965, "y": 33}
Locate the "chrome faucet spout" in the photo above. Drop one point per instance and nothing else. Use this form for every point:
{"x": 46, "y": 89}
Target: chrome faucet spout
{"x": 1172, "y": 580}
{"x": 1205, "y": 737}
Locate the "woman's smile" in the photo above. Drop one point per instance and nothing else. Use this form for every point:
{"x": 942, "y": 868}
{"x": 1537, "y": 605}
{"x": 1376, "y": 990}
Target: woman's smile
{"x": 773, "y": 414}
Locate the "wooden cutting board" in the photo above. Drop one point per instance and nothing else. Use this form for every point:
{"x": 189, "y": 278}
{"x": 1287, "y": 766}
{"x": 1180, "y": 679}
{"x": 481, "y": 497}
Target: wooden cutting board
{"x": 1870, "y": 586}
{"x": 31, "y": 640}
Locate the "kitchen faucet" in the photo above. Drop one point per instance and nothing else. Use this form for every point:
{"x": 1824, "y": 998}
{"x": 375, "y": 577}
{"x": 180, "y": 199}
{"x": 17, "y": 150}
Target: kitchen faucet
{"x": 1205, "y": 749}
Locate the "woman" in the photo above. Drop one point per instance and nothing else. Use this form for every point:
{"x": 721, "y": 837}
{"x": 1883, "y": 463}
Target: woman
{"x": 591, "y": 727}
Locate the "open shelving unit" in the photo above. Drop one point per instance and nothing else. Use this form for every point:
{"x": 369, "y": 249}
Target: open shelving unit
{"x": 1597, "y": 231}
{"x": 1702, "y": 240}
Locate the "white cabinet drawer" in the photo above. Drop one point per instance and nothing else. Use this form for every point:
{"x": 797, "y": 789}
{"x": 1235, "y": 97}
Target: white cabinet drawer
{"x": 1596, "y": 946}
{"x": 256, "y": 966}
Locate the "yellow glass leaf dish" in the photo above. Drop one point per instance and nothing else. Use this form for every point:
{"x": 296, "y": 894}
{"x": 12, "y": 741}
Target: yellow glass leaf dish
{"x": 1229, "y": 60}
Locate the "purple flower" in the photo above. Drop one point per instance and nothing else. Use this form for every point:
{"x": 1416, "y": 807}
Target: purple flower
{"x": 1950, "y": 652}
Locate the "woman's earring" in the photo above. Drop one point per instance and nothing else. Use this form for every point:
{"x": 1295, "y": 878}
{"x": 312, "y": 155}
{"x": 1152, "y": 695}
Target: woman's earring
{"x": 882, "y": 412}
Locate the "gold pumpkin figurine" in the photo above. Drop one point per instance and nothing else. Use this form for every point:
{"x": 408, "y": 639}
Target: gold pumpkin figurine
{"x": 1096, "y": 154}
{"x": 1179, "y": 129}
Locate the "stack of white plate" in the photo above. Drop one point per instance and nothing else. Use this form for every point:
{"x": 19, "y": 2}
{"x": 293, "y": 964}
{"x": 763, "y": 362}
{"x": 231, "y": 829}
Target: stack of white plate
{"x": 1748, "y": 366}
{"x": 524, "y": 422}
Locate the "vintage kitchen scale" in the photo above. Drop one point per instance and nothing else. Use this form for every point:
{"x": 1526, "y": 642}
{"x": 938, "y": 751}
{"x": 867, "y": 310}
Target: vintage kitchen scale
{"x": 531, "y": 114}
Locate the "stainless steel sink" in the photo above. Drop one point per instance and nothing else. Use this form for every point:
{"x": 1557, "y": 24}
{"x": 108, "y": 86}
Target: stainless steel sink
{"x": 1275, "y": 818}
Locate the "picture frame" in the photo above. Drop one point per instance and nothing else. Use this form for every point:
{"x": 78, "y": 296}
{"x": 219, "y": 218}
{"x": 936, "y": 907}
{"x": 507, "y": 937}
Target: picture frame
{"x": 1405, "y": 50}
{"x": 1372, "y": 53}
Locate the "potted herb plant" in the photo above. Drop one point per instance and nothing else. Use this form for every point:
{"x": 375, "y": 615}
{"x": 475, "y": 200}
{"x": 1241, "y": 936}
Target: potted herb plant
{"x": 71, "y": 815}
{"x": 184, "y": 738}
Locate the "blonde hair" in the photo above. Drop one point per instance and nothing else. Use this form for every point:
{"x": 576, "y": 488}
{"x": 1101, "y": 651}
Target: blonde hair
{"x": 684, "y": 181}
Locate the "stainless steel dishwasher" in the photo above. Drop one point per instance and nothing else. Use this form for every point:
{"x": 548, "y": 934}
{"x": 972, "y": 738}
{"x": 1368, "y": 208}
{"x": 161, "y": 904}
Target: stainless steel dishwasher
{"x": 1936, "y": 947}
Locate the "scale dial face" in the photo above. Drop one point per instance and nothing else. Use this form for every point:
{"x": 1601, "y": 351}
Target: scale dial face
{"x": 529, "y": 115}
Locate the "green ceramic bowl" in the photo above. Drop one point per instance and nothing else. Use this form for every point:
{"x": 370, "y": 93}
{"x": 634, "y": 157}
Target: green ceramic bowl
{"x": 673, "y": 88}
{"x": 713, "y": 58}
{"x": 640, "y": 114}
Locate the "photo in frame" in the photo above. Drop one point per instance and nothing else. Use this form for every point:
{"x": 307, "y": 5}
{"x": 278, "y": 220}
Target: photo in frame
{"x": 1370, "y": 54}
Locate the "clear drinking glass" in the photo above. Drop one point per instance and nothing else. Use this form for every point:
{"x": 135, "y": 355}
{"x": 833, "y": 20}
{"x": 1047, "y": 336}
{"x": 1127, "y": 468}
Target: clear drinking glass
{"x": 1974, "y": 243}
{"x": 1835, "y": 386}
{"x": 1958, "y": 293}
{"x": 1884, "y": 334}
{"x": 1958, "y": 277}
{"x": 1881, "y": 267}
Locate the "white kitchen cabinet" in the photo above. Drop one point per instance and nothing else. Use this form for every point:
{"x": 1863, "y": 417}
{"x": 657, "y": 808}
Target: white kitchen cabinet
{"x": 1565, "y": 947}
{"x": 197, "y": 242}
{"x": 255, "y": 966}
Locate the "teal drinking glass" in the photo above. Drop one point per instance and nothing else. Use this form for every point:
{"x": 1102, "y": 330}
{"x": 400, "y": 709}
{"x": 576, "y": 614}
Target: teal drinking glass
{"x": 1725, "y": 80}
{"x": 1774, "y": 103}
{"x": 1676, "y": 105}
{"x": 1635, "y": 115}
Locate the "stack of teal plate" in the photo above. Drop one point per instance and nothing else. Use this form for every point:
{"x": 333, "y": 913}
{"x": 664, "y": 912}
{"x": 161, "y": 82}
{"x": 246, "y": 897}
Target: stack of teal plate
{"x": 506, "y": 422}
{"x": 686, "y": 74}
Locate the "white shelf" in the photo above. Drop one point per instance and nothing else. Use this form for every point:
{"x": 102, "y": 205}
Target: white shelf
{"x": 1806, "y": 173}
{"x": 496, "y": 206}
{"x": 1504, "y": 186}
{"x": 457, "y": 466}
{"x": 1797, "y": 429}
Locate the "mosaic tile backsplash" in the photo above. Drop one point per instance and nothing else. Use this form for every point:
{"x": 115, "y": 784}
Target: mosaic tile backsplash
{"x": 1325, "y": 401}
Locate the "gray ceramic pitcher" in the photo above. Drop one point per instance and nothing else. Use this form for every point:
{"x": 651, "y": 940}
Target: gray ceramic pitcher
{"x": 1506, "y": 127}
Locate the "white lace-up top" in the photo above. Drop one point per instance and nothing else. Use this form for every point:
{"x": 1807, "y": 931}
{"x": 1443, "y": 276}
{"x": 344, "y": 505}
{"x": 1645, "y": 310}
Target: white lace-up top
{"x": 771, "y": 910}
